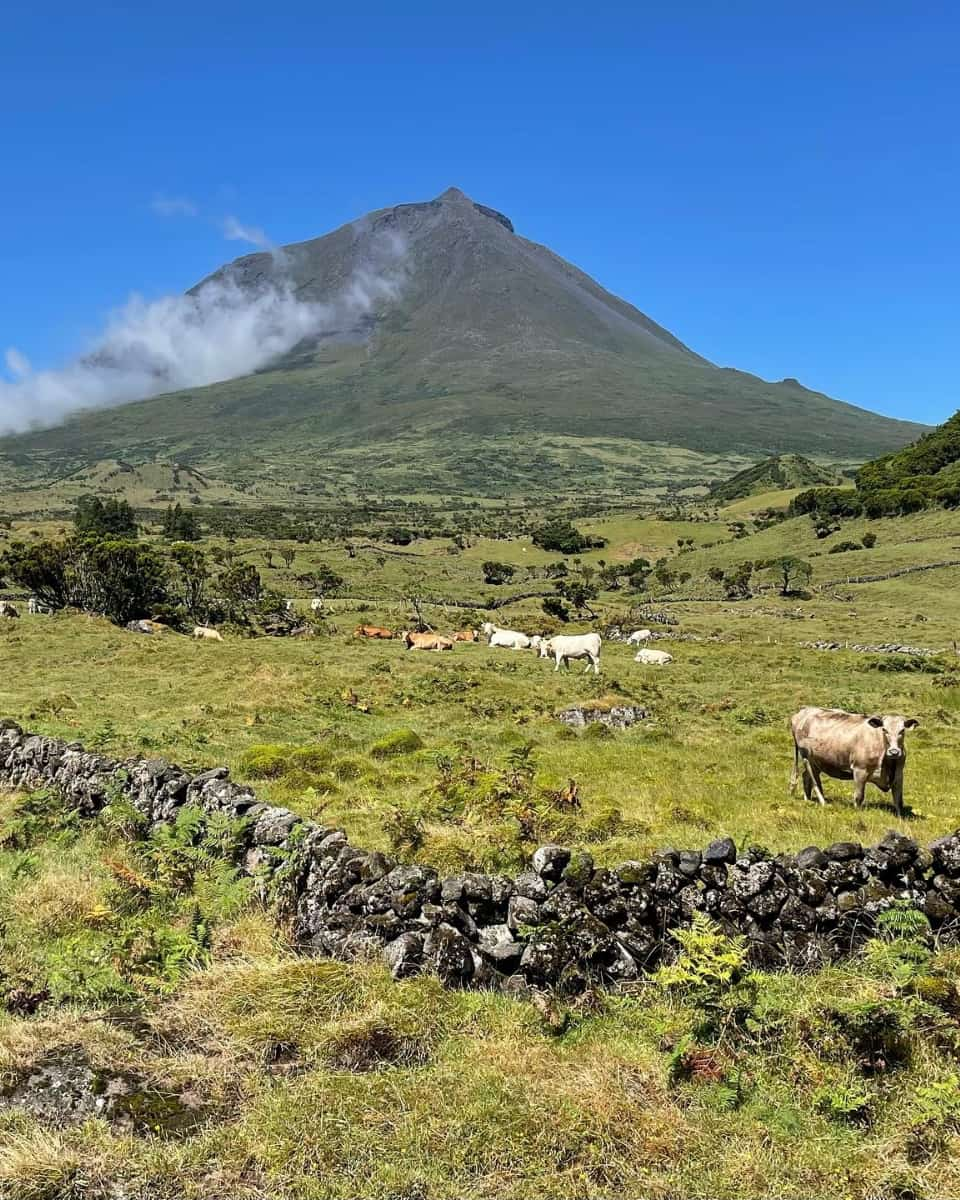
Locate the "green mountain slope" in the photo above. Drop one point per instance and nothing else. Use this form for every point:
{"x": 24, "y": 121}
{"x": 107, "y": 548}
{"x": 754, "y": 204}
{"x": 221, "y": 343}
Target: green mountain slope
{"x": 772, "y": 474}
{"x": 485, "y": 363}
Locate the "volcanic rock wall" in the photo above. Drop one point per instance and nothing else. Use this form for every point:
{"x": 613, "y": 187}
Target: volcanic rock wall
{"x": 560, "y": 923}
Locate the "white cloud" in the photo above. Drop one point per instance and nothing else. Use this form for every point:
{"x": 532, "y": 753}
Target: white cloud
{"x": 221, "y": 332}
{"x": 17, "y": 364}
{"x": 233, "y": 231}
{"x": 173, "y": 206}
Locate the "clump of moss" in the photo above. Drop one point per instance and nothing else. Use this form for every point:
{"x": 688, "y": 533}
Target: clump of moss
{"x": 399, "y": 741}
{"x": 274, "y": 761}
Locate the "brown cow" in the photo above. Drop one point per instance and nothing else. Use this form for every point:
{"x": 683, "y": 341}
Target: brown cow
{"x": 466, "y": 635}
{"x": 847, "y": 745}
{"x": 372, "y": 631}
{"x": 426, "y": 641}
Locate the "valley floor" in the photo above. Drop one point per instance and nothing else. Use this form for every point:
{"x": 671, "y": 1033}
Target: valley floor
{"x": 326, "y": 1080}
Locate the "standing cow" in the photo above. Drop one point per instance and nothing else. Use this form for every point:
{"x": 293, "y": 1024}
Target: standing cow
{"x": 848, "y": 745}
{"x": 581, "y": 645}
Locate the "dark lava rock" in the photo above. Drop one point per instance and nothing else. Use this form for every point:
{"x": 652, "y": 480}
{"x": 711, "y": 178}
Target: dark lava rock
{"x": 523, "y": 911}
{"x": 530, "y": 884}
{"x": 811, "y": 858}
{"x": 723, "y": 850}
{"x": 449, "y": 954}
{"x": 273, "y": 825}
{"x": 549, "y": 862}
{"x": 749, "y": 880}
{"x": 844, "y": 851}
{"x": 946, "y": 853}
{"x": 404, "y": 955}
{"x": 64, "y": 1088}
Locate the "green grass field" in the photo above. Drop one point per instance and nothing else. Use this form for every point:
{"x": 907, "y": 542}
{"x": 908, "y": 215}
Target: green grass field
{"x": 747, "y": 1090}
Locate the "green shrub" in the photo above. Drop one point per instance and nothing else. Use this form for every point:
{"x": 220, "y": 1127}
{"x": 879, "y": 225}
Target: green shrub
{"x": 273, "y": 761}
{"x": 399, "y": 741}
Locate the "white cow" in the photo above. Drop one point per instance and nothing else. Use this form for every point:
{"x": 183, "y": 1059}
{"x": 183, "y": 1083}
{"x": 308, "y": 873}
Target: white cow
{"x": 316, "y": 604}
{"x": 655, "y": 658}
{"x": 510, "y": 639}
{"x": 201, "y": 632}
{"x": 288, "y": 605}
{"x": 581, "y": 645}
{"x": 638, "y": 636}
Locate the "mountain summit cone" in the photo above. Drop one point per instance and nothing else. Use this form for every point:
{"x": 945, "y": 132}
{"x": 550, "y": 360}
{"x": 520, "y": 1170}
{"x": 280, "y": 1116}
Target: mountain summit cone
{"x": 459, "y": 356}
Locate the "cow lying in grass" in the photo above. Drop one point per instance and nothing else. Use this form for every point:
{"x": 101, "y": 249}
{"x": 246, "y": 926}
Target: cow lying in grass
{"x": 205, "y": 633}
{"x": 426, "y": 641}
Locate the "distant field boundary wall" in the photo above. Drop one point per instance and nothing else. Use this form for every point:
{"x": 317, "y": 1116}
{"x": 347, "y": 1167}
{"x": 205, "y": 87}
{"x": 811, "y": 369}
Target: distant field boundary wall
{"x": 559, "y": 924}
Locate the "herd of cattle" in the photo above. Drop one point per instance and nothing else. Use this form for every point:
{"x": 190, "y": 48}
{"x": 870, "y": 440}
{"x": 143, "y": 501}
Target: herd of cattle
{"x": 826, "y": 741}
{"x": 562, "y": 648}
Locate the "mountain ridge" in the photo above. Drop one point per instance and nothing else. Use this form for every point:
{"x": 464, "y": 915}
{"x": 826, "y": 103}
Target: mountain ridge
{"x": 465, "y": 350}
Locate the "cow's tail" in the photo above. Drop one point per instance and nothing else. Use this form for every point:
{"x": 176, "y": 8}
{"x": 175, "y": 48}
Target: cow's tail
{"x": 795, "y": 773}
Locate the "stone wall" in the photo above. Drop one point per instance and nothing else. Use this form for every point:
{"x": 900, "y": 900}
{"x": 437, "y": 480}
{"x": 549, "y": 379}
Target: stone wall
{"x": 560, "y": 923}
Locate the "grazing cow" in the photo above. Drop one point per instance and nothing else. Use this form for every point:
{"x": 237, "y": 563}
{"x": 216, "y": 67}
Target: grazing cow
{"x": 32, "y": 606}
{"x": 565, "y": 647}
{"x": 200, "y": 632}
{"x": 848, "y": 745}
{"x": 653, "y": 658}
{"x": 510, "y": 639}
{"x": 372, "y": 631}
{"x": 426, "y": 641}
{"x": 316, "y": 604}
{"x": 638, "y": 636}
{"x": 7, "y": 609}
{"x": 466, "y": 635}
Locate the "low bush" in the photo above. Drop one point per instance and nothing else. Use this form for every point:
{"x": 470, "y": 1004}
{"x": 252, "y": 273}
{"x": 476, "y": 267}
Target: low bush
{"x": 399, "y": 741}
{"x": 274, "y": 761}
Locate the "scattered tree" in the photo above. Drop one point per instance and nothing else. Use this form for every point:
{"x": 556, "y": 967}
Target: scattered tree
{"x": 191, "y": 574}
{"x": 497, "y": 572}
{"x": 180, "y": 525}
{"x": 792, "y": 572}
{"x": 104, "y": 518}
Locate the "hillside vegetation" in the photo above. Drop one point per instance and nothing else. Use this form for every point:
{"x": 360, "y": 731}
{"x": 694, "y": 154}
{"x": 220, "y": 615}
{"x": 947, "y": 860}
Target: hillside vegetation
{"x": 778, "y": 473}
{"x": 272, "y": 1076}
{"x": 924, "y": 475}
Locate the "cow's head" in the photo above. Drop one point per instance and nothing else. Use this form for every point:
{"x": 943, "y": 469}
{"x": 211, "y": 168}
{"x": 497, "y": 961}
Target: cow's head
{"x": 546, "y": 648}
{"x": 893, "y": 727}
{"x": 406, "y": 638}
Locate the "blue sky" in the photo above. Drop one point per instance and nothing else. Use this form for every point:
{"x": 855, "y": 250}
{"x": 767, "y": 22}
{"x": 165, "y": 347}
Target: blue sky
{"x": 777, "y": 184}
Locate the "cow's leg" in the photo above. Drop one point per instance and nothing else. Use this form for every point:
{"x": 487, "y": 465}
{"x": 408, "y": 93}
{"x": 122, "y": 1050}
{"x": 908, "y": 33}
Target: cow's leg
{"x": 795, "y": 773}
{"x": 860, "y": 777}
{"x": 897, "y": 789}
{"x": 817, "y": 784}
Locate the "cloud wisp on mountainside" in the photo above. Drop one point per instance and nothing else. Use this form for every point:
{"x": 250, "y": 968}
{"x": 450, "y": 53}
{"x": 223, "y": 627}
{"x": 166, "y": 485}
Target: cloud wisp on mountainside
{"x": 219, "y": 332}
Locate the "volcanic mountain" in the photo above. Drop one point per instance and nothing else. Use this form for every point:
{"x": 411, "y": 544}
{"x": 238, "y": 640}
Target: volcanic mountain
{"x": 457, "y": 355}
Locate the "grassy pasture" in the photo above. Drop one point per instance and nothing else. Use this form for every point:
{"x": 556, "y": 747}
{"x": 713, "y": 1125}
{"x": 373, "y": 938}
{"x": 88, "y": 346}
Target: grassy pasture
{"x": 330, "y": 1082}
